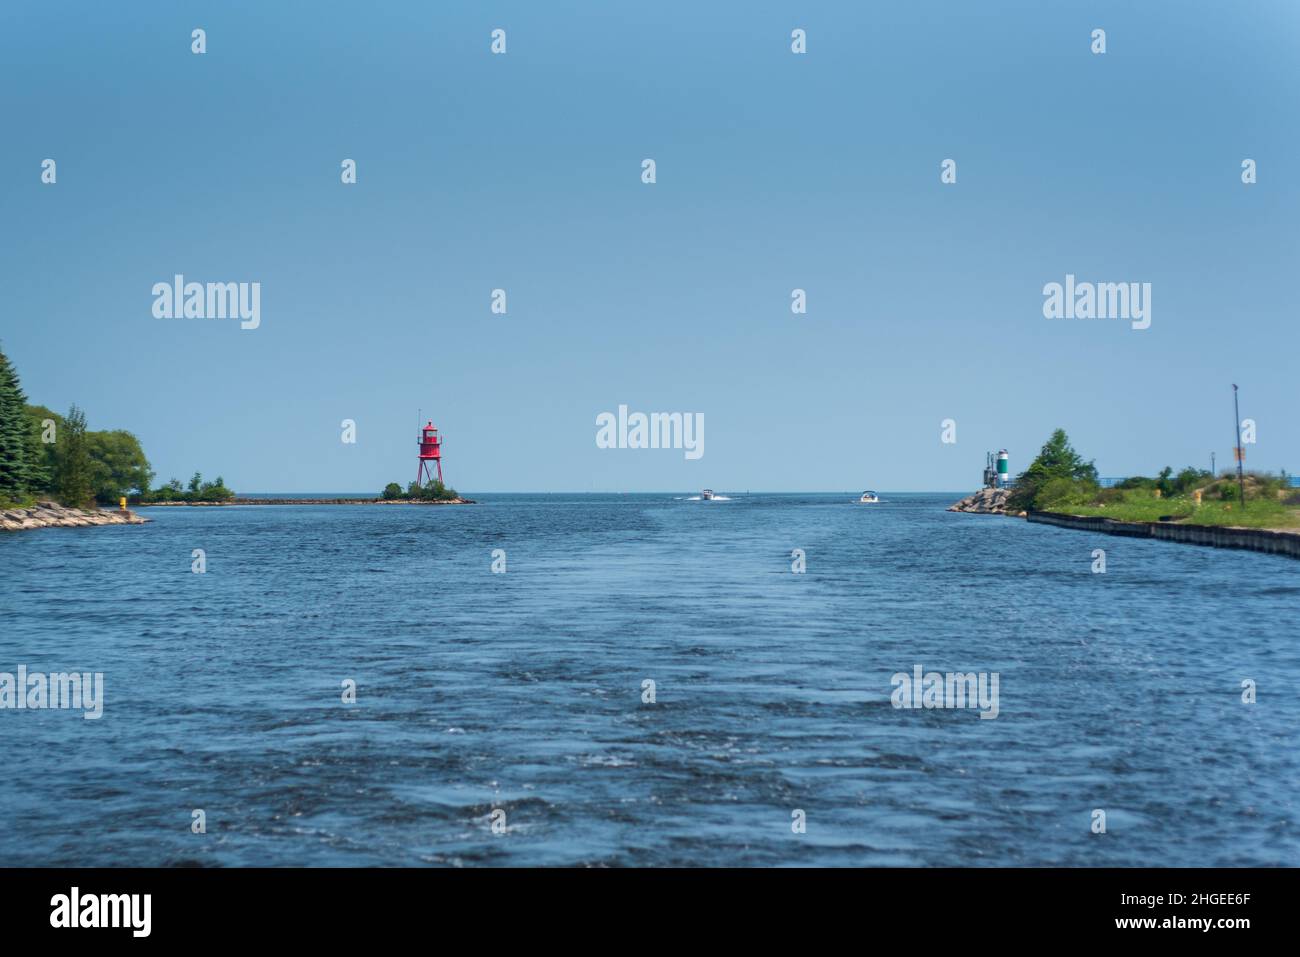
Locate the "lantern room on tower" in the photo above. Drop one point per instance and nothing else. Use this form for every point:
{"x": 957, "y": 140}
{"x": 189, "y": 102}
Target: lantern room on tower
{"x": 430, "y": 456}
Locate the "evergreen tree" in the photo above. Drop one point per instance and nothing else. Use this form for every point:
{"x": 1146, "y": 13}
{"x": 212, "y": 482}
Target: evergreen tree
{"x": 44, "y": 445}
{"x": 37, "y": 459}
{"x": 17, "y": 469}
{"x": 74, "y": 474}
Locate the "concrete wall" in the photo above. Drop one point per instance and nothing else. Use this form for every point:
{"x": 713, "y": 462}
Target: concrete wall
{"x": 1254, "y": 539}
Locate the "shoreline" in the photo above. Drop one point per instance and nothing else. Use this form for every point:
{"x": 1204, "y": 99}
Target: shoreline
{"x": 308, "y": 501}
{"x": 53, "y": 515}
{"x": 1268, "y": 540}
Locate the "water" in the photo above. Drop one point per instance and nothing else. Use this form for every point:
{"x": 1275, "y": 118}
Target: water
{"x": 522, "y": 692}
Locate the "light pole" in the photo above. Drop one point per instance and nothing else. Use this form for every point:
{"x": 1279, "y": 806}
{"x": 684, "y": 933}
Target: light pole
{"x": 1238, "y": 449}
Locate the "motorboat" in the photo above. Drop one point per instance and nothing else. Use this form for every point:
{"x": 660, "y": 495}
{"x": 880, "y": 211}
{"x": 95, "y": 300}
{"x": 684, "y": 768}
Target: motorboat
{"x": 868, "y": 498}
{"x": 706, "y": 495}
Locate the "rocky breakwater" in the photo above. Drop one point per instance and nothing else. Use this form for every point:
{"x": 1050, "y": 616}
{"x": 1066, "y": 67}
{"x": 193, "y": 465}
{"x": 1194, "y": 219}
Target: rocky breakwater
{"x": 53, "y": 515}
{"x": 987, "y": 501}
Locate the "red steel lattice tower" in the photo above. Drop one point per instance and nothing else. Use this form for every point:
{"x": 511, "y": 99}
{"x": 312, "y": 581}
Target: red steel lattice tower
{"x": 430, "y": 456}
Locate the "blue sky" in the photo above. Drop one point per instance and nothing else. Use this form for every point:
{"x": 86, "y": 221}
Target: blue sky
{"x": 775, "y": 172}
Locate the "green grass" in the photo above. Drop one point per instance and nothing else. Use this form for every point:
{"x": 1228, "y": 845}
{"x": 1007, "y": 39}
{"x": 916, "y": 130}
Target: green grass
{"x": 1259, "y": 513}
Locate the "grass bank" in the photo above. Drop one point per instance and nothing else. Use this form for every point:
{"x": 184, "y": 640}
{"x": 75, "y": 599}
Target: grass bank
{"x": 1060, "y": 481}
{"x": 1258, "y": 513}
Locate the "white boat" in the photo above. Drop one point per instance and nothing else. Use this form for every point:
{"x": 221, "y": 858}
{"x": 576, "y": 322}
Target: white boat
{"x": 868, "y": 498}
{"x": 707, "y": 495}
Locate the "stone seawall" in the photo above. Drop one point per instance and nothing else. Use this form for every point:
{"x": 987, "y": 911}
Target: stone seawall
{"x": 53, "y": 515}
{"x": 1216, "y": 536}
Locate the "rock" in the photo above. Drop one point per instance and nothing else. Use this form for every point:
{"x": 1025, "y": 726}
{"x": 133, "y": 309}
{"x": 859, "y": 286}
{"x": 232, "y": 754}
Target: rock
{"x": 53, "y": 515}
{"x": 987, "y": 501}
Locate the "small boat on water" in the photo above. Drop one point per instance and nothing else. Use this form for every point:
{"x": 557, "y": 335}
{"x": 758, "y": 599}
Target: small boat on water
{"x": 868, "y": 498}
{"x": 706, "y": 495}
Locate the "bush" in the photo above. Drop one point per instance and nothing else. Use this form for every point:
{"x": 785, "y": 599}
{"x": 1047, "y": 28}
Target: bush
{"x": 433, "y": 491}
{"x": 198, "y": 491}
{"x": 429, "y": 492}
{"x": 1061, "y": 492}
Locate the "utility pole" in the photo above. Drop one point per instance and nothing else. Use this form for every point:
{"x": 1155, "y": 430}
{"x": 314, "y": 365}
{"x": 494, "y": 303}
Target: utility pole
{"x": 1238, "y": 449}
{"x": 1212, "y": 472}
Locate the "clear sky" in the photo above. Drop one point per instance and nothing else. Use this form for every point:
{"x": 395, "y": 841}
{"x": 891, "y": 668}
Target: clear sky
{"x": 775, "y": 171}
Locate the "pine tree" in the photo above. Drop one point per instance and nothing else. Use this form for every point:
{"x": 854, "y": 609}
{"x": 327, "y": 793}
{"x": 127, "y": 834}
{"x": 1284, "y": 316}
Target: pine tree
{"x": 16, "y": 468}
{"x": 73, "y": 478}
{"x": 40, "y": 475}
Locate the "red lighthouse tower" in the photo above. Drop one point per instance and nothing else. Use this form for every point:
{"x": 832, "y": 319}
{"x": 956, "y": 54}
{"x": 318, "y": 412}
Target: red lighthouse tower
{"x": 430, "y": 455}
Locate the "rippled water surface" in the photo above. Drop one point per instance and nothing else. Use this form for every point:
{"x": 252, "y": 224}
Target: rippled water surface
{"x": 523, "y": 691}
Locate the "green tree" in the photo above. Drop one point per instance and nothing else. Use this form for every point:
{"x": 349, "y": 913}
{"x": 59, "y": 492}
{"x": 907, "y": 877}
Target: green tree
{"x": 1190, "y": 478}
{"x": 18, "y": 469}
{"x": 435, "y": 491}
{"x": 118, "y": 465}
{"x": 173, "y": 491}
{"x": 391, "y": 490}
{"x": 1056, "y": 460}
{"x": 74, "y": 477}
{"x": 214, "y": 491}
{"x": 42, "y": 440}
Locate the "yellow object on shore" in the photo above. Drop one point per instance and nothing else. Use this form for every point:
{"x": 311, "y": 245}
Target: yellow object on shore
{"x": 1196, "y": 497}
{"x": 122, "y": 503}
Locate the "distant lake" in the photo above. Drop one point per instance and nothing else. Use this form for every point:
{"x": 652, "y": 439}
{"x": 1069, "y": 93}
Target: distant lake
{"x": 522, "y": 692}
